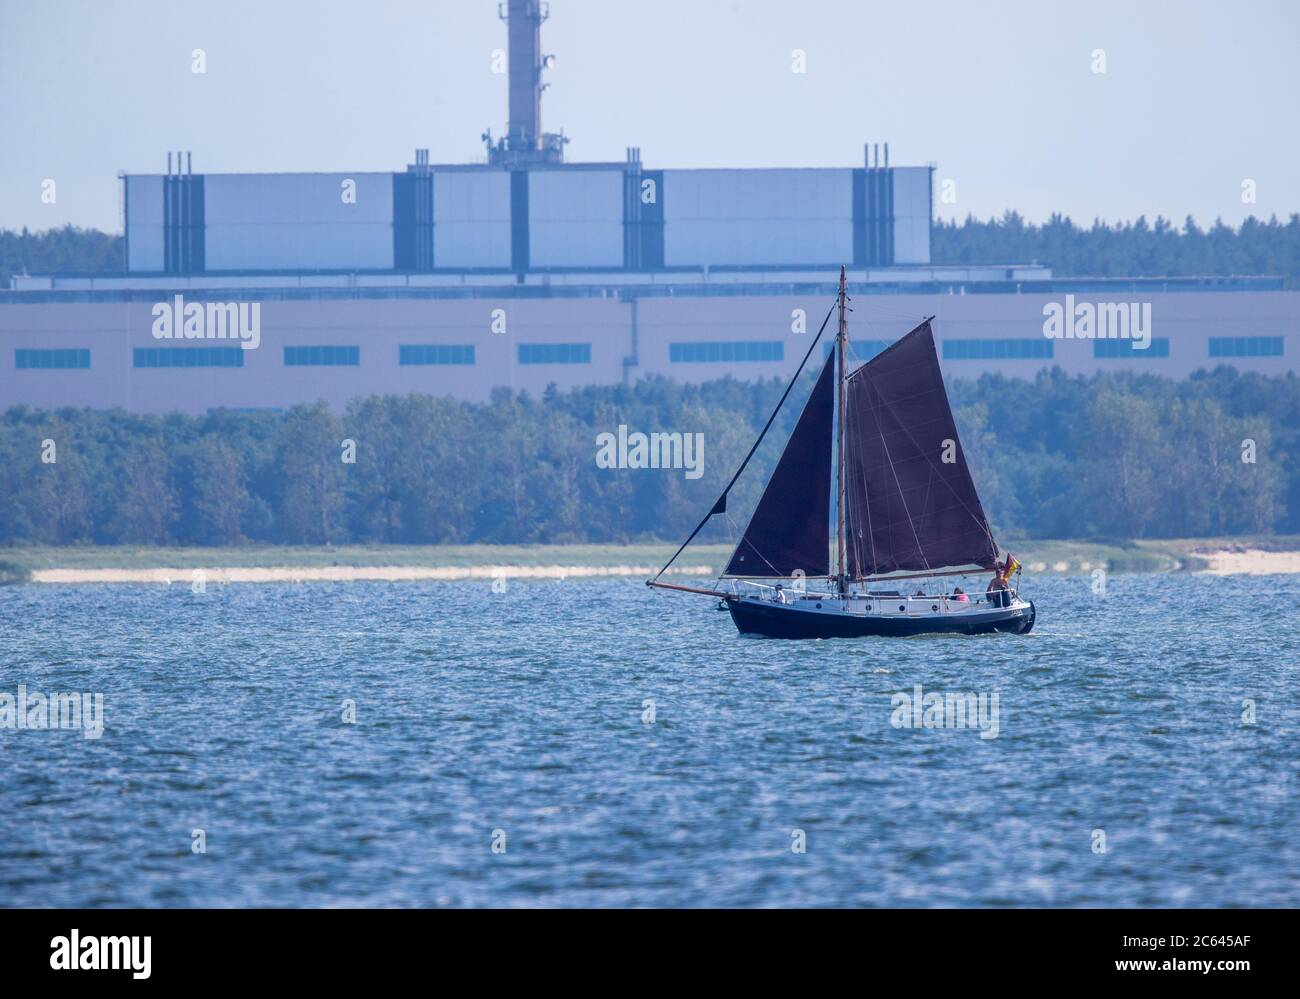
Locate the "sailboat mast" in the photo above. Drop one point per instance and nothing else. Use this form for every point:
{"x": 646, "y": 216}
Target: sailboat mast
{"x": 841, "y": 341}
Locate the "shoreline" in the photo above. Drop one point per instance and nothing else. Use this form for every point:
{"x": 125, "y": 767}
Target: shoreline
{"x": 1224, "y": 561}
{"x": 259, "y": 563}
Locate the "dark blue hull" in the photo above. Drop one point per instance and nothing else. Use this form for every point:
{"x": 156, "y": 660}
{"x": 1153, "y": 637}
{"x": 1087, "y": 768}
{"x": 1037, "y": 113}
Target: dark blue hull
{"x": 777, "y": 621}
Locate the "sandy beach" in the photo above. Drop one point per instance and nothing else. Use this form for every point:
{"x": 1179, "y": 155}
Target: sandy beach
{"x": 1248, "y": 562}
{"x": 1221, "y": 562}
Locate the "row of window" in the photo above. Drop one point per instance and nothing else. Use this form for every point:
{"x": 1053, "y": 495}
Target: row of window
{"x": 1220, "y": 346}
{"x": 726, "y": 350}
{"x": 686, "y": 353}
{"x": 434, "y": 353}
{"x": 51, "y": 358}
{"x": 327, "y": 356}
{"x": 1159, "y": 347}
{"x": 322, "y": 356}
{"x": 555, "y": 353}
{"x": 189, "y": 357}
{"x": 1246, "y": 346}
{"x": 981, "y": 350}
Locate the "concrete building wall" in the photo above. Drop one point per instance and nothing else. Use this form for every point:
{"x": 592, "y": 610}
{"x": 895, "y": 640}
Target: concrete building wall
{"x": 757, "y": 217}
{"x": 756, "y": 329}
{"x": 144, "y": 223}
{"x": 112, "y": 331}
{"x": 298, "y": 222}
{"x": 912, "y": 215}
{"x": 569, "y": 217}
{"x": 575, "y": 218}
{"x": 471, "y": 219}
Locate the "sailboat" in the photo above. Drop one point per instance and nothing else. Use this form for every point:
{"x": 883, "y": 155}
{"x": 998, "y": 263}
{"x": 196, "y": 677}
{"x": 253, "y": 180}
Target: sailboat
{"x": 906, "y": 510}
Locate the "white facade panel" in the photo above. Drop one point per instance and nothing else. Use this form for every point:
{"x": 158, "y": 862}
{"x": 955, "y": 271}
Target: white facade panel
{"x": 144, "y": 217}
{"x": 298, "y": 222}
{"x": 912, "y": 191}
{"x": 471, "y": 218}
{"x": 144, "y": 200}
{"x": 144, "y": 248}
{"x": 911, "y": 241}
{"x": 766, "y": 242}
{"x": 912, "y": 215}
{"x": 575, "y": 218}
{"x": 748, "y": 217}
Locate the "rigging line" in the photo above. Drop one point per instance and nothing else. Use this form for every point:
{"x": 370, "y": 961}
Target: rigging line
{"x": 853, "y": 492}
{"x": 735, "y": 529}
{"x": 871, "y": 527}
{"x": 743, "y": 540}
{"x": 855, "y": 429}
{"x": 746, "y": 541}
{"x": 856, "y": 425}
{"x": 925, "y": 503}
{"x": 902, "y": 497}
{"x": 735, "y": 526}
{"x": 766, "y": 427}
{"x": 853, "y": 512}
{"x": 981, "y": 520}
{"x": 843, "y": 496}
{"x": 740, "y": 540}
{"x": 891, "y": 348}
{"x": 775, "y": 572}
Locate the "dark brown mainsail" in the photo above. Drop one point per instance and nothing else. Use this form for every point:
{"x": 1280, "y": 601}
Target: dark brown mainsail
{"x": 788, "y": 531}
{"x": 906, "y": 507}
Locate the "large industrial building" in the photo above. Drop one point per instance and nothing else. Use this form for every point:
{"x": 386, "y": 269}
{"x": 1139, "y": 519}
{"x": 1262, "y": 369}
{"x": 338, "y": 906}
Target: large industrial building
{"x": 526, "y": 270}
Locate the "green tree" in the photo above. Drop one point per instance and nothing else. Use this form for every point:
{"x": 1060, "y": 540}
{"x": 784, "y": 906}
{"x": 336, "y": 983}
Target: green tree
{"x": 59, "y": 489}
{"x": 146, "y": 506}
{"x": 1125, "y": 460}
{"x": 309, "y": 475}
{"x": 219, "y": 492}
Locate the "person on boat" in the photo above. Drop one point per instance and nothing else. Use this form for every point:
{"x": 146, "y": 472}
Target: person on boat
{"x": 996, "y": 594}
{"x": 959, "y": 595}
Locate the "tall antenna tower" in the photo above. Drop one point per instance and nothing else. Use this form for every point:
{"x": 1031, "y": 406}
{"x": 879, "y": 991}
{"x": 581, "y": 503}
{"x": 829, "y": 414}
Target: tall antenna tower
{"x": 525, "y": 142}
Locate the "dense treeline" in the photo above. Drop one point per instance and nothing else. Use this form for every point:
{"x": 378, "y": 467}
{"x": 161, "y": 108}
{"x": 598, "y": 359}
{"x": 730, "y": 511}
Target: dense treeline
{"x": 1127, "y": 249}
{"x": 1128, "y": 455}
{"x": 70, "y": 249}
{"x": 1111, "y": 456}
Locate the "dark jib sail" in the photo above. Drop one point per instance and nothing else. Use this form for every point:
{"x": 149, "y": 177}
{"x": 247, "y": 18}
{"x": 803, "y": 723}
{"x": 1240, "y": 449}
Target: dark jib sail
{"x": 909, "y": 500}
{"x": 790, "y": 526}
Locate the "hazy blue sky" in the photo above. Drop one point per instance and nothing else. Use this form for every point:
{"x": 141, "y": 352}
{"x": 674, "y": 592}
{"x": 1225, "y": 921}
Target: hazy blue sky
{"x": 1196, "y": 97}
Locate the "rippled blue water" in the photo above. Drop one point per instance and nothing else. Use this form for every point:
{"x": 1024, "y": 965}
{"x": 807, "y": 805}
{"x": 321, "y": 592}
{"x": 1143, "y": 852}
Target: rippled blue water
{"x": 523, "y": 712}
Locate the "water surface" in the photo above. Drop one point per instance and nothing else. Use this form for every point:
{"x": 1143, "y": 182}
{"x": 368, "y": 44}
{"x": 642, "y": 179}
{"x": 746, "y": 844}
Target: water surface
{"x": 523, "y": 713}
